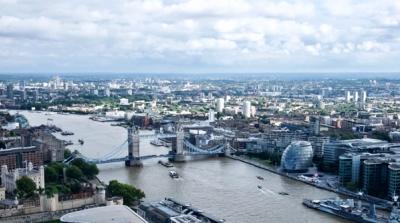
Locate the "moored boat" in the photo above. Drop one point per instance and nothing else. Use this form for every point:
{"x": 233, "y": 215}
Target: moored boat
{"x": 67, "y": 133}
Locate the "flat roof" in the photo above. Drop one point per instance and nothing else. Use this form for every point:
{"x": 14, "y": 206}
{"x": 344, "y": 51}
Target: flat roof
{"x": 112, "y": 213}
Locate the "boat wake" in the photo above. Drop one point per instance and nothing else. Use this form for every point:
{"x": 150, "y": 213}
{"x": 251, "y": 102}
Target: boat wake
{"x": 266, "y": 191}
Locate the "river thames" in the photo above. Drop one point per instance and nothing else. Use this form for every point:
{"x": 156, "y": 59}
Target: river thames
{"x": 222, "y": 187}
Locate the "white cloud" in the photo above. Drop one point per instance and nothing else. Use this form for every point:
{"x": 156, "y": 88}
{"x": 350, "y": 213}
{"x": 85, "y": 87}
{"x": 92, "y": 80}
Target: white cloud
{"x": 157, "y": 33}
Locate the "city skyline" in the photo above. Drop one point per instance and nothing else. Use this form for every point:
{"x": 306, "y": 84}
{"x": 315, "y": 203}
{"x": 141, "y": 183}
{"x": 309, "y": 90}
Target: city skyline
{"x": 198, "y": 37}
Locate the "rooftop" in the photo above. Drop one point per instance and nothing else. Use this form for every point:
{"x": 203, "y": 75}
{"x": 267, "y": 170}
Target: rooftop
{"x": 113, "y": 213}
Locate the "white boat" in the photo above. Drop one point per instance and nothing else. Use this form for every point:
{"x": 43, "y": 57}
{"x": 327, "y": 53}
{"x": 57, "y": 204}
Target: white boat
{"x": 173, "y": 174}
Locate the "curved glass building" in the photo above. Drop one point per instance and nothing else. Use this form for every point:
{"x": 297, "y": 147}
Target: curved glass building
{"x": 297, "y": 157}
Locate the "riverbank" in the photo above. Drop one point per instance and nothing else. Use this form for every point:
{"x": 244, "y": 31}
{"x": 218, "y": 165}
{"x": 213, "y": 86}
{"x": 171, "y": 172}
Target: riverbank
{"x": 382, "y": 204}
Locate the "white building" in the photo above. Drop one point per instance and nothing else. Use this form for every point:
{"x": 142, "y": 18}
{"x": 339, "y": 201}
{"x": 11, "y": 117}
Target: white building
{"x": 211, "y": 115}
{"x": 123, "y": 101}
{"x": 9, "y": 178}
{"x": 348, "y": 96}
{"x": 247, "y": 109}
{"x": 107, "y": 92}
{"x": 220, "y": 105}
{"x": 363, "y": 96}
{"x": 253, "y": 111}
{"x": 355, "y": 96}
{"x": 227, "y": 98}
{"x": 115, "y": 114}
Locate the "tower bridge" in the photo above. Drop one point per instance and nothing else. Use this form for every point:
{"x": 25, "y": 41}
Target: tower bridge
{"x": 182, "y": 150}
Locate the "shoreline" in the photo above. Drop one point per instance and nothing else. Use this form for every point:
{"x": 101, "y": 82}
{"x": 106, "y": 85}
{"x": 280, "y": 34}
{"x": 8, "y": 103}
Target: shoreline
{"x": 384, "y": 204}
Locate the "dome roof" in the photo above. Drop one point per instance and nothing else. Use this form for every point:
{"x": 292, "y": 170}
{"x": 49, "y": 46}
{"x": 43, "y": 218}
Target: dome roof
{"x": 297, "y": 157}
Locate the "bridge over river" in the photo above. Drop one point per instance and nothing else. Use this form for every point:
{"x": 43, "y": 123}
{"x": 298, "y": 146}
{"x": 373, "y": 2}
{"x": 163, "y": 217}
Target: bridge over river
{"x": 182, "y": 150}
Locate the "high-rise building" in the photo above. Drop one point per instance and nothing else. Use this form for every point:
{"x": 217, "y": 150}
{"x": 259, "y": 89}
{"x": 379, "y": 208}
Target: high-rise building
{"x": 107, "y": 92}
{"x": 211, "y": 115}
{"x": 247, "y": 109}
{"x": 345, "y": 173}
{"x": 315, "y": 125}
{"x": 375, "y": 177}
{"x": 348, "y": 96}
{"x": 317, "y": 143}
{"x": 36, "y": 95}
{"x": 23, "y": 95}
{"x": 363, "y": 96}
{"x": 349, "y": 169}
{"x": 393, "y": 180}
{"x": 355, "y": 96}
{"x": 10, "y": 91}
{"x": 220, "y": 104}
{"x": 227, "y": 98}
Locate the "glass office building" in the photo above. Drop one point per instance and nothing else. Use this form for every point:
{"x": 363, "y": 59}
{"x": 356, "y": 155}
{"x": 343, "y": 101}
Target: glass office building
{"x": 297, "y": 157}
{"x": 394, "y": 180}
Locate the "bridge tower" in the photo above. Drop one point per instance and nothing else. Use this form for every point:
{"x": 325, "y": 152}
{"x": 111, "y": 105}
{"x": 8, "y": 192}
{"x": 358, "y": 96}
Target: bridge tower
{"x": 227, "y": 150}
{"x": 180, "y": 155}
{"x": 180, "y": 136}
{"x": 133, "y": 148}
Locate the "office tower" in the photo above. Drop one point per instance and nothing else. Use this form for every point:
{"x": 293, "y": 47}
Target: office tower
{"x": 211, "y": 115}
{"x": 220, "y": 105}
{"x": 10, "y": 91}
{"x": 348, "y": 96}
{"x": 247, "y": 109}
{"x": 363, "y": 96}
{"x": 355, "y": 96}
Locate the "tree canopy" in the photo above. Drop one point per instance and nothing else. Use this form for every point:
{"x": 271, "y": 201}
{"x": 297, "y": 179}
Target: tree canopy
{"x": 74, "y": 172}
{"x": 129, "y": 193}
{"x": 25, "y": 187}
{"x": 89, "y": 170}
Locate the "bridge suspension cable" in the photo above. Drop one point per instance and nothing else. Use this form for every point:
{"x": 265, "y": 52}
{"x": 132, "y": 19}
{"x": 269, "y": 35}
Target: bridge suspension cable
{"x": 193, "y": 148}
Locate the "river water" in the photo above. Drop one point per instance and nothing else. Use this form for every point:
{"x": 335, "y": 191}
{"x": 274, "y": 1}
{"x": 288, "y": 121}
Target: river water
{"x": 222, "y": 187}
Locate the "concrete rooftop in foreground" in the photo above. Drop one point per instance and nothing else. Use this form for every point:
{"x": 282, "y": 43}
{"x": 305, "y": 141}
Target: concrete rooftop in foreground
{"x": 113, "y": 213}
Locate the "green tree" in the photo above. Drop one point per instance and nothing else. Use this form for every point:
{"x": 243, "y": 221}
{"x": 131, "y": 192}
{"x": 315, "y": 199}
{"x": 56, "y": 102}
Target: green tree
{"x": 50, "y": 174}
{"x": 25, "y": 187}
{"x": 51, "y": 190}
{"x": 92, "y": 170}
{"x": 129, "y": 193}
{"x": 75, "y": 187}
{"x": 89, "y": 170}
{"x": 74, "y": 172}
{"x": 67, "y": 153}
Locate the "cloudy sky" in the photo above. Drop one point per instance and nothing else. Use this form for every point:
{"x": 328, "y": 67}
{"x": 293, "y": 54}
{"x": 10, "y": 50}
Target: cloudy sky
{"x": 199, "y": 35}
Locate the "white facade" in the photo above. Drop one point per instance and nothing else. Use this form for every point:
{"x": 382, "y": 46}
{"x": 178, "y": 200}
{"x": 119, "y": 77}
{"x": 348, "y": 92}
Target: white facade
{"x": 9, "y": 178}
{"x": 211, "y": 115}
{"x": 220, "y": 105}
{"x": 348, "y": 96}
{"x": 115, "y": 114}
{"x": 363, "y": 96}
{"x": 123, "y": 101}
{"x": 247, "y": 109}
{"x": 227, "y": 98}
{"x": 355, "y": 96}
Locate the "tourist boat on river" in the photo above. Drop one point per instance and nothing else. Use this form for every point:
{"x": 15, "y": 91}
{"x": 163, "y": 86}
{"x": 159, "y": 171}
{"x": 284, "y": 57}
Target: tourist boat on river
{"x": 166, "y": 164}
{"x": 156, "y": 142}
{"x": 173, "y": 174}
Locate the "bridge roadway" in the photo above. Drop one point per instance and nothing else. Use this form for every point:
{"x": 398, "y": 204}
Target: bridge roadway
{"x": 216, "y": 150}
{"x": 112, "y": 157}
